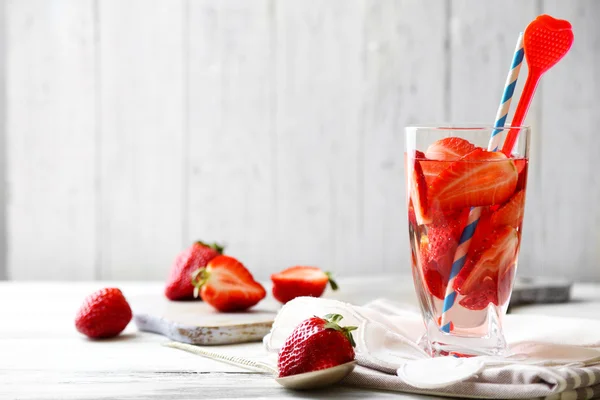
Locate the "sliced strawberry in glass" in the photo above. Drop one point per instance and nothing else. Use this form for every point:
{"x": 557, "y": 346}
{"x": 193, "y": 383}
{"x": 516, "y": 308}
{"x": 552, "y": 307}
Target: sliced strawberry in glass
{"x": 511, "y": 213}
{"x": 432, "y": 169}
{"x": 436, "y": 285}
{"x": 480, "y": 299}
{"x": 522, "y": 166}
{"x": 418, "y": 194}
{"x": 499, "y": 254}
{"x": 444, "y": 234}
{"x": 440, "y": 154}
{"x": 449, "y": 149}
{"x": 480, "y": 178}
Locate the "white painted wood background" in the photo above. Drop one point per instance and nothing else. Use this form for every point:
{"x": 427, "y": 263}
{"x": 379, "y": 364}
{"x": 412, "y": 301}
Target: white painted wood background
{"x": 134, "y": 127}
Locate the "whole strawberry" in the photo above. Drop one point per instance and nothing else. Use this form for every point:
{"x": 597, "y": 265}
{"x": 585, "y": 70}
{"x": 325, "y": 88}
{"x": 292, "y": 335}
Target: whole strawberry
{"x": 179, "y": 285}
{"x": 315, "y": 344}
{"x": 227, "y": 285}
{"x": 104, "y": 314}
{"x": 300, "y": 281}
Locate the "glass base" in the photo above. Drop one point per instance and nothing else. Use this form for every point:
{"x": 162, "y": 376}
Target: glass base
{"x": 439, "y": 344}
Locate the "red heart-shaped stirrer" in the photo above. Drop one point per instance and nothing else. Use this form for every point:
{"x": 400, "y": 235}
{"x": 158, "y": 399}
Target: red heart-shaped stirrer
{"x": 546, "y": 41}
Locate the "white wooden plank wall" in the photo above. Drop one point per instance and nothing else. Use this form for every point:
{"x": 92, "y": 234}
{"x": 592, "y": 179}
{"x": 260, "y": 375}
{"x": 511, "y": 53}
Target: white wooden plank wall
{"x": 134, "y": 127}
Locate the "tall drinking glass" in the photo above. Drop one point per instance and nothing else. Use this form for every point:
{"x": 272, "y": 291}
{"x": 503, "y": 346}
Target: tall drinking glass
{"x": 465, "y": 213}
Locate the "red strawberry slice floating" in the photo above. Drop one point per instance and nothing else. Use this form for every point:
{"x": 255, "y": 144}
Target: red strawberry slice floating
{"x": 522, "y": 166}
{"x": 480, "y": 178}
{"x": 418, "y": 194}
{"x": 434, "y": 282}
{"x": 438, "y": 247}
{"x": 449, "y": 149}
{"x": 511, "y": 213}
{"x": 480, "y": 299}
{"x": 499, "y": 255}
{"x": 432, "y": 169}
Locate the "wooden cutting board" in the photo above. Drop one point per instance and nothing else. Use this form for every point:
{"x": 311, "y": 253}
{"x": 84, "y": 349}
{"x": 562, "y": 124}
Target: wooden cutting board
{"x": 196, "y": 322}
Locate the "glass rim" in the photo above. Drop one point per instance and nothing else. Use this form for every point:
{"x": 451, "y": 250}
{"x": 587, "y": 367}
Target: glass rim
{"x": 466, "y": 127}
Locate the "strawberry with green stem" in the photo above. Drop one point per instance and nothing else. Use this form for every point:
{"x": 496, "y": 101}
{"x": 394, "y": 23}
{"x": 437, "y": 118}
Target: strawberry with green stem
{"x": 316, "y": 344}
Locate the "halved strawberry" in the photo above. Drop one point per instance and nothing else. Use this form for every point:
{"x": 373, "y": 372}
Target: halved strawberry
{"x": 227, "y": 285}
{"x": 511, "y": 213}
{"x": 499, "y": 254}
{"x": 419, "y": 155}
{"x": 449, "y": 149}
{"x": 480, "y": 178}
{"x": 300, "y": 281}
{"x": 418, "y": 193}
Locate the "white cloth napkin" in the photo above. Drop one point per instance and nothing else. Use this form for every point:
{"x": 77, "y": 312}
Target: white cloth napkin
{"x": 550, "y": 357}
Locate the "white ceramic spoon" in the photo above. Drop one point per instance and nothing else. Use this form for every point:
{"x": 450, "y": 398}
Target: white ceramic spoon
{"x": 308, "y": 380}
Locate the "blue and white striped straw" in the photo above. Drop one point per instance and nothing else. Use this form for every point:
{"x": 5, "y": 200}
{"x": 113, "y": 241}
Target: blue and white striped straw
{"x": 469, "y": 230}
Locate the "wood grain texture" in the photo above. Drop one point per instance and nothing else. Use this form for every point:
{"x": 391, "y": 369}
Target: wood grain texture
{"x": 135, "y": 127}
{"x": 404, "y": 75}
{"x": 482, "y": 38}
{"x": 318, "y": 75}
{"x": 197, "y": 322}
{"x": 50, "y": 67}
{"x": 3, "y": 138}
{"x": 140, "y": 137}
{"x": 570, "y": 230}
{"x": 43, "y": 357}
{"x": 231, "y": 147}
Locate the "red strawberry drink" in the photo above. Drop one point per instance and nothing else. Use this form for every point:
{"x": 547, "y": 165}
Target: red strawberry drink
{"x": 465, "y": 212}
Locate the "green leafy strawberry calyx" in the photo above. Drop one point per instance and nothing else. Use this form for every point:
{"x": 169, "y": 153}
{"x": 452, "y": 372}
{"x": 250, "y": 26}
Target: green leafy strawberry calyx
{"x": 199, "y": 278}
{"x": 332, "y": 323}
{"x": 332, "y": 283}
{"x": 219, "y": 248}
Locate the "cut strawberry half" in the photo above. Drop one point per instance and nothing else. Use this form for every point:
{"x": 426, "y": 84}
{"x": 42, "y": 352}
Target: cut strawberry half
{"x": 300, "y": 281}
{"x": 449, "y": 149}
{"x": 418, "y": 194}
{"x": 227, "y": 285}
{"x": 511, "y": 213}
{"x": 480, "y": 178}
{"x": 499, "y": 254}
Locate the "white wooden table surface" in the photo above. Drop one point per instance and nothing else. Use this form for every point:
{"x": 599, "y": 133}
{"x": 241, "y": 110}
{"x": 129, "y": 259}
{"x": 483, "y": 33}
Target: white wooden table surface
{"x": 43, "y": 357}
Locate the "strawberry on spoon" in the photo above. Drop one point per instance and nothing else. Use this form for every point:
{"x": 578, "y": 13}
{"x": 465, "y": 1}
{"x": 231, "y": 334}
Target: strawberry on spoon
{"x": 316, "y": 344}
{"x": 318, "y": 353}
